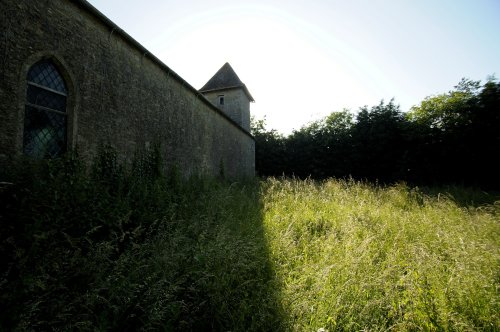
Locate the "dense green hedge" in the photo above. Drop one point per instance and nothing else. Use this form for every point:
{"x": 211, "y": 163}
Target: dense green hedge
{"x": 452, "y": 138}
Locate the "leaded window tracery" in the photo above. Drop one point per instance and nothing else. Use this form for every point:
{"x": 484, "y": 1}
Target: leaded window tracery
{"x": 45, "y": 118}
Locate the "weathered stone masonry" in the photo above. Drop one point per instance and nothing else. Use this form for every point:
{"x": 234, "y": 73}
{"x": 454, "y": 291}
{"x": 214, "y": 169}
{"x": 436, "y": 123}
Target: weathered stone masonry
{"x": 118, "y": 93}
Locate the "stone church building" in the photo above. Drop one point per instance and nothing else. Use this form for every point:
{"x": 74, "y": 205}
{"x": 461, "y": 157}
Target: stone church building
{"x": 70, "y": 78}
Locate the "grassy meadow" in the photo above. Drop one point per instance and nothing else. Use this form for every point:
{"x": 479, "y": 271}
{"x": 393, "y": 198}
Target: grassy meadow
{"x": 108, "y": 247}
{"x": 353, "y": 256}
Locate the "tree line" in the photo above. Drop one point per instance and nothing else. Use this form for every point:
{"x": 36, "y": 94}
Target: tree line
{"x": 450, "y": 138}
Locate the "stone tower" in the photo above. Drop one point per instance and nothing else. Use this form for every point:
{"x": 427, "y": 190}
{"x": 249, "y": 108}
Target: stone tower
{"x": 227, "y": 92}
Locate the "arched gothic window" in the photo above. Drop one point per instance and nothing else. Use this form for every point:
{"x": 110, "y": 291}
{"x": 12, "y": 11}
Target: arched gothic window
{"x": 45, "y": 114}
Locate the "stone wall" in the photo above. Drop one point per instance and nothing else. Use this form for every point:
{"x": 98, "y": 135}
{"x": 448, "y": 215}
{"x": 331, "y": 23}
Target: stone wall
{"x": 236, "y": 105}
{"x": 119, "y": 94}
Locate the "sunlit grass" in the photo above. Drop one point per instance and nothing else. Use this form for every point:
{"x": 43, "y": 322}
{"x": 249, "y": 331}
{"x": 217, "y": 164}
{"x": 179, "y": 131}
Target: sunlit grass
{"x": 118, "y": 249}
{"x": 353, "y": 256}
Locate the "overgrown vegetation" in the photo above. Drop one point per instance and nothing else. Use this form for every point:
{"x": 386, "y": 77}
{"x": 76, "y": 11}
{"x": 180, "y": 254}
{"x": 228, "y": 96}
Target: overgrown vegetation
{"x": 112, "y": 248}
{"x": 125, "y": 248}
{"x": 352, "y": 256}
{"x": 451, "y": 138}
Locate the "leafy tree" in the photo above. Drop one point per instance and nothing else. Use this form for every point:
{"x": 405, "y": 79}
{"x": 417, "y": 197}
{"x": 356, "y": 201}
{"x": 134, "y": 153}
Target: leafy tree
{"x": 483, "y": 134}
{"x": 270, "y": 155}
{"x": 378, "y": 142}
{"x": 306, "y": 151}
{"x": 445, "y": 111}
{"x": 448, "y": 138}
{"x": 456, "y": 134}
{"x": 338, "y": 128}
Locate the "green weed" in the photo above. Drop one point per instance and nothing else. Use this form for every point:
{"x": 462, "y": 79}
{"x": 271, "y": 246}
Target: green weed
{"x": 108, "y": 247}
{"x": 111, "y": 247}
{"x": 353, "y": 256}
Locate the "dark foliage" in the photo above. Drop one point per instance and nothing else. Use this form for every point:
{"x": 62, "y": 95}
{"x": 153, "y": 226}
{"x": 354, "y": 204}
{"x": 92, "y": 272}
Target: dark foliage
{"x": 452, "y": 138}
{"x": 109, "y": 247}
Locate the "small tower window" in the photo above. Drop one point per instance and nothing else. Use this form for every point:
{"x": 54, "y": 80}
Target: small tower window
{"x": 45, "y": 112}
{"x": 221, "y": 100}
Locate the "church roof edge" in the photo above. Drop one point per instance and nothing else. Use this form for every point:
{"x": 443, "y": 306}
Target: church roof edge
{"x": 103, "y": 19}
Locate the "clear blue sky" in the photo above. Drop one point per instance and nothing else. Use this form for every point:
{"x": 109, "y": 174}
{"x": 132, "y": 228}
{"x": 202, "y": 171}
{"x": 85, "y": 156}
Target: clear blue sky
{"x": 301, "y": 60}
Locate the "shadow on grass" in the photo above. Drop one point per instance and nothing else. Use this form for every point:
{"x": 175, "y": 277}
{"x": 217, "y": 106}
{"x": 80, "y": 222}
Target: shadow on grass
{"x": 463, "y": 196}
{"x": 109, "y": 249}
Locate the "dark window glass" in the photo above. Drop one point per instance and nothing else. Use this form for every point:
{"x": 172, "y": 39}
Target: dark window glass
{"x": 45, "y": 112}
{"x": 46, "y": 74}
{"x": 221, "y": 100}
{"x": 45, "y": 98}
{"x": 44, "y": 133}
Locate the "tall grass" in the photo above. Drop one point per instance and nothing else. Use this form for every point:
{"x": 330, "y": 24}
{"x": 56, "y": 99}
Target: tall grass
{"x": 353, "y": 256}
{"x": 110, "y": 247}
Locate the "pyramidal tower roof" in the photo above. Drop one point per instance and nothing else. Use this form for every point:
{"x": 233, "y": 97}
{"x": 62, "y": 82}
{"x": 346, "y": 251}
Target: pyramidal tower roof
{"x": 225, "y": 79}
